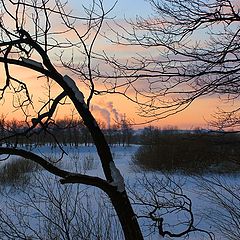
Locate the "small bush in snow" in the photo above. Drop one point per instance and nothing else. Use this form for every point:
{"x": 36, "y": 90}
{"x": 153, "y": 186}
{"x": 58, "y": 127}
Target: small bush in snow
{"x": 17, "y": 171}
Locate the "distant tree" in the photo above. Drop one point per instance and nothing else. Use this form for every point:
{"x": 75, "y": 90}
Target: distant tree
{"x": 126, "y": 131}
{"x": 113, "y": 134}
{"x": 2, "y": 127}
{"x": 150, "y": 135}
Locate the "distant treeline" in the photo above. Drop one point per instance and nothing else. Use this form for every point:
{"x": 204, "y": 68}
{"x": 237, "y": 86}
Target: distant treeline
{"x": 66, "y": 132}
{"x": 188, "y": 152}
{"x": 166, "y": 149}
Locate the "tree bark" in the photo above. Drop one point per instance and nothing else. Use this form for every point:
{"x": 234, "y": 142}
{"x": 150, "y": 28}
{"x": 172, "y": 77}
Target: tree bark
{"x": 126, "y": 216}
{"x": 120, "y": 200}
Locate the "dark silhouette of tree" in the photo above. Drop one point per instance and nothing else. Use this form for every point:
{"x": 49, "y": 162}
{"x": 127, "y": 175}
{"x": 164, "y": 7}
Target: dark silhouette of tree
{"x": 126, "y": 131}
{"x": 224, "y": 212}
{"x": 185, "y": 50}
{"x": 31, "y": 31}
{"x": 33, "y": 34}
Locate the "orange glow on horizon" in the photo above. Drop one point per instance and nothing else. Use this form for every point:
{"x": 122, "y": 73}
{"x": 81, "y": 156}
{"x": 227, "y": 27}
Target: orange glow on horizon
{"x": 110, "y": 108}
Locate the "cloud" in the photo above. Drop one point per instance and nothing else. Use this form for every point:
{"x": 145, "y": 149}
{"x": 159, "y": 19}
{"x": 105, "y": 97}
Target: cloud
{"x": 104, "y": 113}
{"x": 107, "y": 112}
{"x": 113, "y": 111}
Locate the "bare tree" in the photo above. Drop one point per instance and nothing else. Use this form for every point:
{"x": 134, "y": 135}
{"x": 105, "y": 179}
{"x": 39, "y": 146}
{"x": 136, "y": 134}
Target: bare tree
{"x": 222, "y": 195}
{"x": 185, "y": 50}
{"x": 45, "y": 209}
{"x": 166, "y": 209}
{"x": 31, "y": 33}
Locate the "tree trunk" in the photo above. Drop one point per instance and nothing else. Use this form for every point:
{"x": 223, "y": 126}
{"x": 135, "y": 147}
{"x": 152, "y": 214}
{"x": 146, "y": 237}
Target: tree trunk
{"x": 126, "y": 215}
{"x": 119, "y": 199}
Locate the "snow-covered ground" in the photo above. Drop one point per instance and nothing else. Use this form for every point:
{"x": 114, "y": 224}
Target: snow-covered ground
{"x": 140, "y": 183}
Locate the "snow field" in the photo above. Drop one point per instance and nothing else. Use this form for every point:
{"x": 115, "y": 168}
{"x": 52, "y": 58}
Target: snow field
{"x": 85, "y": 160}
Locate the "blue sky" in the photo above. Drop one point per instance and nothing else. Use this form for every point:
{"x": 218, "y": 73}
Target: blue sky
{"x": 131, "y": 8}
{"x": 124, "y": 8}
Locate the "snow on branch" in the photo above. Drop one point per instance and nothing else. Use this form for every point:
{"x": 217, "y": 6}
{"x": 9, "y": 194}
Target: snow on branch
{"x": 32, "y": 62}
{"x": 71, "y": 83}
{"x": 118, "y": 180}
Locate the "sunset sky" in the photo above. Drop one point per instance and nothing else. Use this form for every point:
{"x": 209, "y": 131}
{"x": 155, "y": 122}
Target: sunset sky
{"x": 111, "y": 108}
